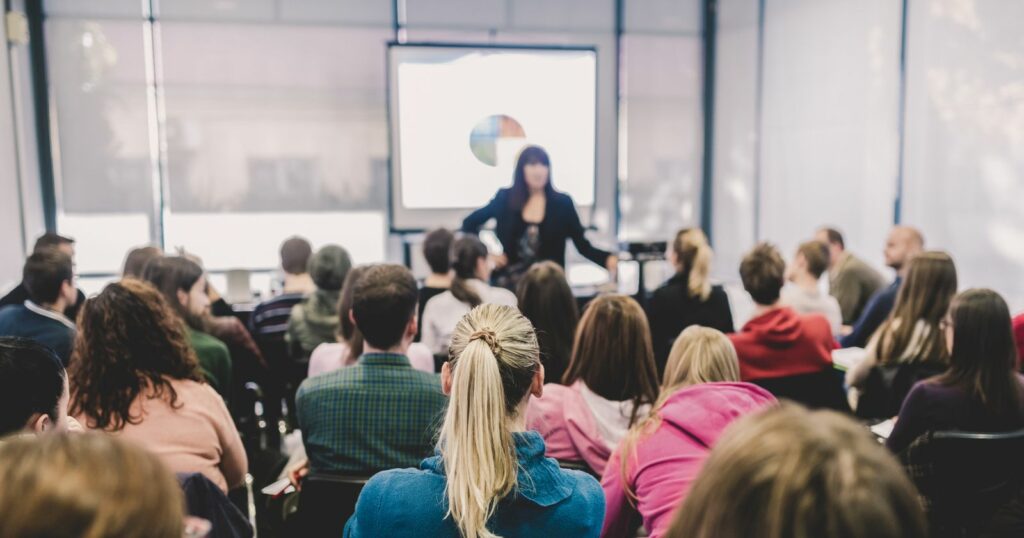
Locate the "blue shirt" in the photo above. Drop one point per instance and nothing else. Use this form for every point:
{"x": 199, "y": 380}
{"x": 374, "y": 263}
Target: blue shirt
{"x": 874, "y": 314}
{"x": 548, "y": 501}
{"x": 36, "y": 323}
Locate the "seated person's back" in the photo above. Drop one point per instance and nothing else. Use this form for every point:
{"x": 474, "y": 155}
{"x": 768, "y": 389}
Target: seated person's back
{"x": 48, "y": 278}
{"x": 489, "y": 477}
{"x": 688, "y": 298}
{"x": 138, "y": 378}
{"x": 379, "y": 413}
{"x": 314, "y": 320}
{"x": 777, "y": 342}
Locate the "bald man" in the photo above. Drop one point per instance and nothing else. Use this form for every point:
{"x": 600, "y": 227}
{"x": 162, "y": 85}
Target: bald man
{"x": 904, "y": 243}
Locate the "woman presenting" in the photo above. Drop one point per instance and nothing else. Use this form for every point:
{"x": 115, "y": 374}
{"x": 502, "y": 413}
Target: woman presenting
{"x": 533, "y": 220}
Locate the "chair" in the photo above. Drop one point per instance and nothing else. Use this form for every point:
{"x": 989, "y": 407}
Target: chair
{"x": 204, "y": 499}
{"x": 888, "y": 385}
{"x": 972, "y": 482}
{"x": 326, "y": 501}
{"x": 818, "y": 390}
{"x": 578, "y": 466}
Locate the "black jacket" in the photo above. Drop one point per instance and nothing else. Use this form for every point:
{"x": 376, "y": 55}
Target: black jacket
{"x": 560, "y": 222}
{"x": 672, "y": 309}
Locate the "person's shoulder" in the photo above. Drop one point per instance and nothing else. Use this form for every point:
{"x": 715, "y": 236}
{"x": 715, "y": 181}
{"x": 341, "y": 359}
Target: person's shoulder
{"x": 503, "y": 296}
{"x": 12, "y": 311}
{"x": 401, "y": 491}
{"x": 327, "y": 382}
{"x": 585, "y": 506}
{"x": 193, "y": 391}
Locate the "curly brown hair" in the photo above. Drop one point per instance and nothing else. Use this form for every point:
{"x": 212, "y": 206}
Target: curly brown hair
{"x": 128, "y": 340}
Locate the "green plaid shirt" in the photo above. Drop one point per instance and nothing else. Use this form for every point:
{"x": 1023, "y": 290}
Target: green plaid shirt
{"x": 377, "y": 414}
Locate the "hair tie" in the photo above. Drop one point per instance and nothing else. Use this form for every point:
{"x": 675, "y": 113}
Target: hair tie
{"x": 489, "y": 337}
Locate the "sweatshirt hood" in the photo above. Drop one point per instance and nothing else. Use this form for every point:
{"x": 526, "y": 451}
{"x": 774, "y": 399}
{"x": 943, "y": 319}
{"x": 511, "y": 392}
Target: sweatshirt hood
{"x": 704, "y": 411}
{"x": 780, "y": 326}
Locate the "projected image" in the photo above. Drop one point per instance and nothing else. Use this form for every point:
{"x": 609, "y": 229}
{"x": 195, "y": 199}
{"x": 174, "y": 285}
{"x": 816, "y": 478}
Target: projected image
{"x": 498, "y": 100}
{"x": 497, "y": 139}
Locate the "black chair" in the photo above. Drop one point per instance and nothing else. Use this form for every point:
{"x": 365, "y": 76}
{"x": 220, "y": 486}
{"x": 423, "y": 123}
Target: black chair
{"x": 578, "y": 466}
{"x": 888, "y": 385}
{"x": 439, "y": 360}
{"x": 817, "y": 390}
{"x": 326, "y": 501}
{"x": 973, "y": 482}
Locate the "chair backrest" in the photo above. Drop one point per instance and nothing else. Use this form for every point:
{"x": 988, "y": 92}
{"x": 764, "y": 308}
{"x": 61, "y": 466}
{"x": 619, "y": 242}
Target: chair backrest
{"x": 967, "y": 477}
{"x": 888, "y": 385}
{"x": 817, "y": 390}
{"x": 578, "y": 466}
{"x": 326, "y": 501}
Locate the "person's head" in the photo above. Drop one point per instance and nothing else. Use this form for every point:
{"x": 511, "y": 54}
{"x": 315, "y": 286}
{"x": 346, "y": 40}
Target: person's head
{"x": 903, "y": 243}
{"x": 924, "y": 297}
{"x": 183, "y": 285}
{"x": 437, "y": 250}
{"x": 833, "y": 240}
{"x": 384, "y": 306}
{"x": 51, "y": 240}
{"x": 33, "y": 388}
{"x": 49, "y": 278}
{"x": 811, "y": 258}
{"x": 532, "y": 174}
{"x": 612, "y": 354}
{"x": 128, "y": 341}
{"x": 763, "y": 274}
{"x": 347, "y": 329}
{"x": 329, "y": 266}
{"x": 691, "y": 256}
{"x": 493, "y": 368}
{"x": 787, "y": 472}
{"x": 89, "y": 485}
{"x": 137, "y": 259}
{"x": 545, "y": 298}
{"x": 699, "y": 355}
{"x": 469, "y": 260}
{"x": 982, "y": 351}
{"x": 295, "y": 254}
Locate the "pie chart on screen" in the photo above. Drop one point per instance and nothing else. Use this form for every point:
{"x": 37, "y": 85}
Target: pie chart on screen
{"x": 495, "y": 140}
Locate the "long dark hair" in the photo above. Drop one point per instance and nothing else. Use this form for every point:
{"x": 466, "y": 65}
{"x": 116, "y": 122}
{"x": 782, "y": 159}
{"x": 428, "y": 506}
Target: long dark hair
{"x": 520, "y": 190}
{"x": 128, "y": 339}
{"x": 924, "y": 296}
{"x": 983, "y": 360}
{"x": 613, "y": 355}
{"x": 547, "y": 301}
{"x": 465, "y": 253}
{"x": 170, "y": 274}
{"x": 347, "y": 330}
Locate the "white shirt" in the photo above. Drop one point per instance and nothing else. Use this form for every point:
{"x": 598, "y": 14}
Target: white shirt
{"x": 443, "y": 312}
{"x": 611, "y": 417}
{"x": 814, "y": 302}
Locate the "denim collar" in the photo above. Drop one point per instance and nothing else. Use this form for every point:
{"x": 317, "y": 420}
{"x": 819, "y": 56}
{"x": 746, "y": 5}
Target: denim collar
{"x": 384, "y": 359}
{"x": 540, "y": 480}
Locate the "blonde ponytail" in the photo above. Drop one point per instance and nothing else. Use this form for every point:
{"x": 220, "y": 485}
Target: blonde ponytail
{"x": 699, "y": 355}
{"x": 493, "y": 358}
{"x": 694, "y": 254}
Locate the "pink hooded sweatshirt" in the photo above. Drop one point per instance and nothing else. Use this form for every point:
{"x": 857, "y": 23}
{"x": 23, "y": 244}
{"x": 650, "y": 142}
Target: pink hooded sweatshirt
{"x": 665, "y": 463}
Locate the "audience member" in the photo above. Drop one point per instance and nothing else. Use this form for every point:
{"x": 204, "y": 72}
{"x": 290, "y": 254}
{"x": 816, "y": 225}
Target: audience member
{"x": 86, "y": 486}
{"x": 314, "y": 320}
{"x": 909, "y": 346}
{"x": 660, "y": 457}
{"x": 331, "y": 356}
{"x": 546, "y": 300}
{"x": 136, "y": 260}
{"x": 777, "y": 342}
{"x": 47, "y": 241}
{"x": 437, "y": 250}
{"x": 609, "y": 386}
{"x": 791, "y": 473}
{"x": 135, "y": 375}
{"x": 851, "y": 281}
{"x": 688, "y": 298}
{"x": 804, "y": 296}
{"x": 490, "y": 477}
{"x": 183, "y": 285}
{"x": 269, "y": 320}
{"x": 468, "y": 289}
{"x": 902, "y": 245}
{"x": 380, "y": 413}
{"x": 33, "y": 388}
{"x": 48, "y": 277}
{"x": 981, "y": 391}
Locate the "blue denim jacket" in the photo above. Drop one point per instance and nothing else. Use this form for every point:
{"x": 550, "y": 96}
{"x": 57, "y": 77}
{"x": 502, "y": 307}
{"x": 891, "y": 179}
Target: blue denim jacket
{"x": 549, "y": 500}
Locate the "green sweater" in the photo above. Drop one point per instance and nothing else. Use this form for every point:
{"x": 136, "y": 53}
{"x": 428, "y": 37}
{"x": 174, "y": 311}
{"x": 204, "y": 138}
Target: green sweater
{"x": 214, "y": 360}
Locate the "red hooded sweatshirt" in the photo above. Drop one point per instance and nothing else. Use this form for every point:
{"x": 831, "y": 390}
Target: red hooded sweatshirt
{"x": 782, "y": 343}
{"x": 1018, "y": 333}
